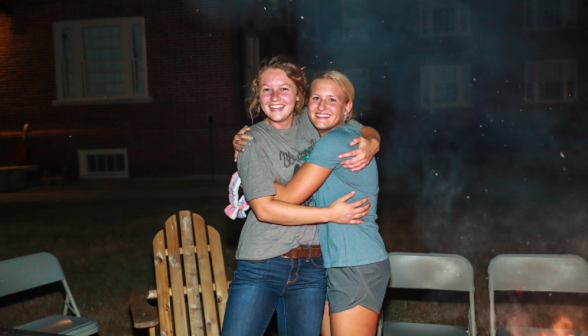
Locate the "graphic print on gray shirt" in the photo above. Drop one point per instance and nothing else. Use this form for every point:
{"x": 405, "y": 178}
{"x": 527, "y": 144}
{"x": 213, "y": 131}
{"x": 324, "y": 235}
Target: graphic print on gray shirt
{"x": 274, "y": 156}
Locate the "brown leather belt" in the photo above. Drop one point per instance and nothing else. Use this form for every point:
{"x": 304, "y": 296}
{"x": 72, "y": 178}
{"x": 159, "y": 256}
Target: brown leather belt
{"x": 303, "y": 252}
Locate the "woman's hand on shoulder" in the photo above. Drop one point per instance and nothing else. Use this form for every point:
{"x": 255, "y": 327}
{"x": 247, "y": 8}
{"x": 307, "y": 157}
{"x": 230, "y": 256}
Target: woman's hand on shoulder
{"x": 361, "y": 156}
{"x": 342, "y": 212}
{"x": 241, "y": 140}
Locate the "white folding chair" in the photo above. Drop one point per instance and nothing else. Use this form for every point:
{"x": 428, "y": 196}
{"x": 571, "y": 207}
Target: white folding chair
{"x": 35, "y": 270}
{"x": 535, "y": 273}
{"x": 430, "y": 271}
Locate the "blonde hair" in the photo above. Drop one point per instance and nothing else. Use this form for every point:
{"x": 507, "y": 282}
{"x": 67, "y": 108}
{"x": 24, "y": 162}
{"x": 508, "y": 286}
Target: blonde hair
{"x": 344, "y": 84}
{"x": 294, "y": 73}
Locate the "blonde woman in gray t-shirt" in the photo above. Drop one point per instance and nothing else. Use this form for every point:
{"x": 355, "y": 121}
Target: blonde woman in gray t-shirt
{"x": 280, "y": 267}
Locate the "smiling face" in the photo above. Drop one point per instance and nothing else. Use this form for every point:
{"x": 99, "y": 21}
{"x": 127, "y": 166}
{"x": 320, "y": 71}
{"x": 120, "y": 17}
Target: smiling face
{"x": 327, "y": 105}
{"x": 277, "y": 97}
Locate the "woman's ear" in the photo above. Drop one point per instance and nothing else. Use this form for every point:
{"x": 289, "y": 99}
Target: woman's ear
{"x": 348, "y": 107}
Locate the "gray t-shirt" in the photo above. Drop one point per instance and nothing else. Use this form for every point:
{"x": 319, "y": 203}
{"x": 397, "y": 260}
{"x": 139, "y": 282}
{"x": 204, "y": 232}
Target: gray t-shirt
{"x": 274, "y": 156}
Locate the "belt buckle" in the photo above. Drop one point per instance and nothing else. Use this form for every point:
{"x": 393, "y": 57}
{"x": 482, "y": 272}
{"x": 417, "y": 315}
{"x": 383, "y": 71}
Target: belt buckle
{"x": 295, "y": 256}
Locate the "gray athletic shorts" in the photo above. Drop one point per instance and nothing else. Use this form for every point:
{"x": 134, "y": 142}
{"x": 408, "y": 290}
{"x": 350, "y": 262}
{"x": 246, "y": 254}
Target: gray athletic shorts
{"x": 363, "y": 285}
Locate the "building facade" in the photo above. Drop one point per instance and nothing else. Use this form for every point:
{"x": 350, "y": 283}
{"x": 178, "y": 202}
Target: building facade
{"x": 428, "y": 74}
{"x": 120, "y": 88}
{"x": 485, "y": 80}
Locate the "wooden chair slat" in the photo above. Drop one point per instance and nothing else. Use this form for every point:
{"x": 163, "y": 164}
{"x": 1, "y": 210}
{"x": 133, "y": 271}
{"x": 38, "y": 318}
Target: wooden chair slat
{"x": 177, "y": 278}
{"x": 152, "y": 294}
{"x": 208, "y": 301}
{"x": 191, "y": 273}
{"x": 163, "y": 297}
{"x": 218, "y": 266}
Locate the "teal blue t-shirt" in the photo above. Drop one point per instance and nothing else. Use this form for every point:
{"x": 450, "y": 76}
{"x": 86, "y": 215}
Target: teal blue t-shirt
{"x": 346, "y": 244}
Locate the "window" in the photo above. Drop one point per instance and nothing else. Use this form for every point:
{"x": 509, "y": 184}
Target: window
{"x": 444, "y": 17}
{"x": 309, "y": 25}
{"x": 550, "y": 81}
{"x": 445, "y": 86}
{"x": 361, "y": 83}
{"x": 100, "y": 60}
{"x": 103, "y": 163}
{"x": 550, "y": 14}
{"x": 354, "y": 19}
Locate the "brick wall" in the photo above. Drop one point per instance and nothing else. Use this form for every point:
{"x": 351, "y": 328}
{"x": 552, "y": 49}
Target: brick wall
{"x": 193, "y": 76}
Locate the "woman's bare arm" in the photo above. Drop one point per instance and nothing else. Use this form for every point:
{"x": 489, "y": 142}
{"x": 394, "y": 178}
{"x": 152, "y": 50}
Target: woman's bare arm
{"x": 303, "y": 184}
{"x": 369, "y": 146}
{"x": 283, "y": 209}
{"x": 269, "y": 210}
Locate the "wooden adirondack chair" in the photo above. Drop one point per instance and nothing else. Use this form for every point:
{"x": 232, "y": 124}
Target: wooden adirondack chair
{"x": 192, "y": 299}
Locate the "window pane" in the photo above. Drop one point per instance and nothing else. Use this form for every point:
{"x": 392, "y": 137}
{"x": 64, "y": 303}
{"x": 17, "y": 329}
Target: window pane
{"x": 101, "y": 166}
{"x": 530, "y": 88}
{"x": 138, "y": 40}
{"x": 110, "y": 163}
{"x": 120, "y": 162}
{"x": 529, "y": 14}
{"x": 550, "y": 90}
{"x": 446, "y": 85}
{"x": 550, "y": 80}
{"x": 444, "y": 20}
{"x": 445, "y": 93}
{"x": 549, "y": 13}
{"x": 552, "y": 71}
{"x": 445, "y": 16}
{"x": 571, "y": 90}
{"x": 67, "y": 64}
{"x": 103, "y": 61}
{"x": 424, "y": 19}
{"x": 92, "y": 163}
{"x": 569, "y": 13}
{"x": 66, "y": 40}
{"x": 465, "y": 18}
{"x": 446, "y": 74}
{"x": 137, "y": 29}
{"x": 97, "y": 63}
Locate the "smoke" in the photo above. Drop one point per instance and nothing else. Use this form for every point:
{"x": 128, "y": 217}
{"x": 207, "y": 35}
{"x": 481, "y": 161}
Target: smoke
{"x": 496, "y": 186}
{"x": 497, "y": 176}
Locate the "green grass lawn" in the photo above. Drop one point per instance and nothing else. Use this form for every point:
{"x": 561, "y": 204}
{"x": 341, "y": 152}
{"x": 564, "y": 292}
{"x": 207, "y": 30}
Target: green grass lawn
{"x": 105, "y": 247}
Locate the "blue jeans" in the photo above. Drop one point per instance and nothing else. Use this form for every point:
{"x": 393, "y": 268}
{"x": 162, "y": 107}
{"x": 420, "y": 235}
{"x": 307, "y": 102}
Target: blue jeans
{"x": 296, "y": 288}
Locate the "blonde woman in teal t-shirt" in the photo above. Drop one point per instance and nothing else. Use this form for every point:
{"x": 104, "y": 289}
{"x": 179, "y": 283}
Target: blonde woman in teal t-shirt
{"x": 354, "y": 255}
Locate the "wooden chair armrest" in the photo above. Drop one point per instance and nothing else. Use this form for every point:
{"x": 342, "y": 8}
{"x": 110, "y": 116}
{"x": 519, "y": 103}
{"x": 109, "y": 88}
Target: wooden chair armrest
{"x": 144, "y": 315}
